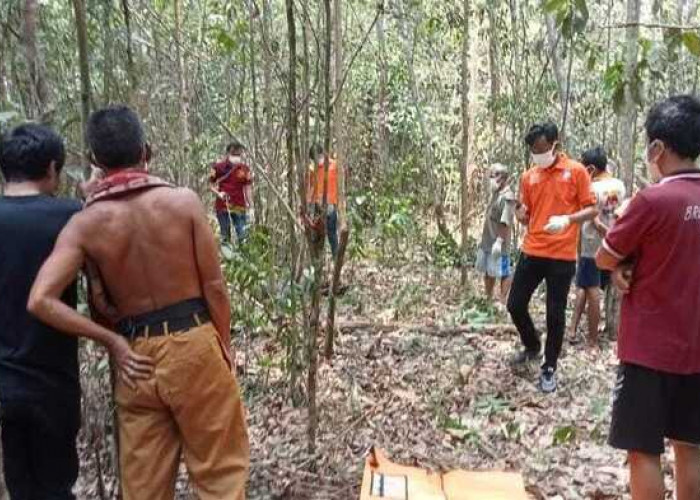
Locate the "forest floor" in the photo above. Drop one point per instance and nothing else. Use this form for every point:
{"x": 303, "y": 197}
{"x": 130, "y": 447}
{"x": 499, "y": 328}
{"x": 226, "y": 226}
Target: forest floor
{"x": 437, "y": 398}
{"x": 426, "y": 395}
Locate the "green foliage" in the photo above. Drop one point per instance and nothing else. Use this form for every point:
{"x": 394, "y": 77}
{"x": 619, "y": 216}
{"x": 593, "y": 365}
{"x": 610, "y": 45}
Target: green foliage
{"x": 564, "y": 435}
{"x": 691, "y": 40}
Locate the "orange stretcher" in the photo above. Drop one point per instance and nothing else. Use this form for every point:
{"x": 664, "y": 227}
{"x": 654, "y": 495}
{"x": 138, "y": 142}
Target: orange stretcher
{"x": 385, "y": 480}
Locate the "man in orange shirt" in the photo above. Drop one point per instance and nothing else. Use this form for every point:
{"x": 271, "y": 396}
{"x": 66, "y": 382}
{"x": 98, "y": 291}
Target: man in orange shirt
{"x": 555, "y": 196}
{"x": 314, "y": 192}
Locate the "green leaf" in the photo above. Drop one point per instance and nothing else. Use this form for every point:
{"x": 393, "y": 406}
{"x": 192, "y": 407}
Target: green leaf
{"x": 554, "y": 5}
{"x": 564, "y": 435}
{"x": 691, "y": 41}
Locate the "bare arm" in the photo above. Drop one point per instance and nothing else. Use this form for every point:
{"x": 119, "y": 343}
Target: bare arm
{"x": 209, "y": 268}
{"x": 621, "y": 270}
{"x": 588, "y": 213}
{"x": 57, "y": 273}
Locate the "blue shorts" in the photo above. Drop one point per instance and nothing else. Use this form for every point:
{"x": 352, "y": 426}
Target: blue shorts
{"x": 589, "y": 276}
{"x": 493, "y": 268}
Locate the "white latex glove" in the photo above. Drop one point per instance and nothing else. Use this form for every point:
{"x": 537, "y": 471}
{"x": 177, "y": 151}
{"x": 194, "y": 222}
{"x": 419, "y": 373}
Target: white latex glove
{"x": 557, "y": 224}
{"x": 497, "y": 248}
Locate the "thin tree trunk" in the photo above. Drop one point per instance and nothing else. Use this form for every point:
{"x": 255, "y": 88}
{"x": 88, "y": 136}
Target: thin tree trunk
{"x": 37, "y": 91}
{"x": 292, "y": 125}
{"x": 85, "y": 85}
{"x": 494, "y": 69}
{"x": 567, "y": 97}
{"x": 464, "y": 170}
{"x": 629, "y": 111}
{"x": 317, "y": 255}
{"x": 107, "y": 72}
{"x": 306, "y": 106}
{"x": 340, "y": 137}
{"x": 382, "y": 131}
{"x": 267, "y": 74}
{"x": 553, "y": 39}
{"x": 607, "y": 66}
{"x": 130, "y": 64}
{"x": 256, "y": 119}
{"x": 183, "y": 98}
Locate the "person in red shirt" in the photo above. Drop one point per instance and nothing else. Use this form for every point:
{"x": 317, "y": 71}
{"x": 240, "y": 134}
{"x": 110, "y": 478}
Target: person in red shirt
{"x": 231, "y": 182}
{"x": 555, "y": 196}
{"x": 653, "y": 250}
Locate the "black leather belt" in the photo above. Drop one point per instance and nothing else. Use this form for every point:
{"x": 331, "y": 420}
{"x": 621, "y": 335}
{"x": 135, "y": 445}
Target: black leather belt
{"x": 170, "y": 320}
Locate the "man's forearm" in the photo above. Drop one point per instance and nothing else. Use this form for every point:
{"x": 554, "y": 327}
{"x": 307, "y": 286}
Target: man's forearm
{"x": 55, "y": 313}
{"x": 588, "y": 213}
{"x": 219, "y": 306}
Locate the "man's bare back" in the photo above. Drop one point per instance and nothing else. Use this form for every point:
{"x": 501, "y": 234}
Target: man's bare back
{"x": 152, "y": 248}
{"x": 143, "y": 245}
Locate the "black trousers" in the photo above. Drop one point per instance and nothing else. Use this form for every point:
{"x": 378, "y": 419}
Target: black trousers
{"x": 38, "y": 446}
{"x": 557, "y": 275}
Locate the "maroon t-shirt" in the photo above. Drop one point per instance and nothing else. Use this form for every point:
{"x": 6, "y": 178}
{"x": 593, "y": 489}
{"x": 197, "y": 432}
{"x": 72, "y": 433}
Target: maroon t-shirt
{"x": 231, "y": 179}
{"x": 660, "y": 318}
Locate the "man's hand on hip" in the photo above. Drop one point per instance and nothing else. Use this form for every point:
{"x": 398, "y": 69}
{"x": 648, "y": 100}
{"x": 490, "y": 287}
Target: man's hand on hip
{"x": 131, "y": 366}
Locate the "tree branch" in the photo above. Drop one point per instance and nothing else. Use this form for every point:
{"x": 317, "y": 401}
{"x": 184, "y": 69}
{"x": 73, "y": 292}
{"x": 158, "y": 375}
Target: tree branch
{"x": 354, "y": 56}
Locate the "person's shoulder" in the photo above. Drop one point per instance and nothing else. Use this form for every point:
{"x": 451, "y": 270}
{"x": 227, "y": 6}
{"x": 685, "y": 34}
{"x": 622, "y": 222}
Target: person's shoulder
{"x": 575, "y": 166}
{"x": 67, "y": 205}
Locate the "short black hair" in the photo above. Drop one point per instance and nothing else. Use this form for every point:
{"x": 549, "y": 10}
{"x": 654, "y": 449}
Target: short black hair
{"x": 235, "y": 146}
{"x": 676, "y": 122}
{"x": 596, "y": 157}
{"x": 115, "y": 137}
{"x": 548, "y": 130}
{"x": 26, "y": 152}
{"x": 315, "y": 151}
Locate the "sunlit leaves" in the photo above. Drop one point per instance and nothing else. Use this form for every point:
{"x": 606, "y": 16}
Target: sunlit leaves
{"x": 691, "y": 40}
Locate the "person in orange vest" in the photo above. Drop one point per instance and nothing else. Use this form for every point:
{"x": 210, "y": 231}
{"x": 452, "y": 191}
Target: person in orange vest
{"x": 314, "y": 192}
{"x": 555, "y": 197}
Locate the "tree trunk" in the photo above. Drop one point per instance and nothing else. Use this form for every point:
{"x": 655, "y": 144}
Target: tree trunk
{"x": 553, "y": 38}
{"x": 464, "y": 170}
{"x": 130, "y": 64}
{"x": 628, "y": 121}
{"x": 382, "y": 131}
{"x": 37, "y": 90}
{"x": 107, "y": 72}
{"x": 256, "y": 201}
{"x": 268, "y": 105}
{"x": 85, "y": 85}
{"x": 184, "y": 115}
{"x": 292, "y": 126}
{"x": 340, "y": 138}
{"x": 628, "y": 118}
{"x": 494, "y": 69}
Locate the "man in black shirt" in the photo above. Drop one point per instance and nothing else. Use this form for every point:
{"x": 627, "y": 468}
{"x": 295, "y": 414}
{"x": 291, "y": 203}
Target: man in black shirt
{"x": 39, "y": 384}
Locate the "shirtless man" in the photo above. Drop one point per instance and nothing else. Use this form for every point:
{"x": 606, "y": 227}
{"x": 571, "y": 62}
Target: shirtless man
{"x": 158, "y": 259}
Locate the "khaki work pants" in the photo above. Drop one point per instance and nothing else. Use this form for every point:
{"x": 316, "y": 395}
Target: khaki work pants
{"x": 191, "y": 405}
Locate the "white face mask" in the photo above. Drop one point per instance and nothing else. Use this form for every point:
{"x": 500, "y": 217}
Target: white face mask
{"x": 232, "y": 158}
{"x": 494, "y": 184}
{"x": 544, "y": 160}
